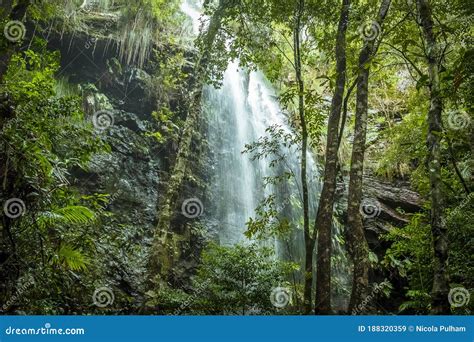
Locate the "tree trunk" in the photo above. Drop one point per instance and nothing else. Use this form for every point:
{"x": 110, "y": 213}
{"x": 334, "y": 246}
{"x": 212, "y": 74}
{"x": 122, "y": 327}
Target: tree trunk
{"x": 163, "y": 253}
{"x": 358, "y": 247}
{"x": 440, "y": 288}
{"x": 323, "y": 222}
{"x": 344, "y": 113}
{"x": 309, "y": 241}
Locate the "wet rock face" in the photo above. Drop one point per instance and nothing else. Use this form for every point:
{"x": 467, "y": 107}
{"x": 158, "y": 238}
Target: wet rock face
{"x": 132, "y": 167}
{"x": 135, "y": 172}
{"x": 384, "y": 205}
{"x": 131, "y": 173}
{"x": 393, "y": 204}
{"x": 393, "y": 195}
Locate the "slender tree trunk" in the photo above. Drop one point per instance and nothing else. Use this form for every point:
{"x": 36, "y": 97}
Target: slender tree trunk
{"x": 309, "y": 241}
{"x": 456, "y": 168}
{"x": 163, "y": 253}
{"x": 344, "y": 113}
{"x": 440, "y": 288}
{"x": 323, "y": 222}
{"x": 358, "y": 247}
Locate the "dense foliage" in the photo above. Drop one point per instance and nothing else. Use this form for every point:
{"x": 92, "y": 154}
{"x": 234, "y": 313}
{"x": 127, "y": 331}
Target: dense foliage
{"x": 60, "y": 243}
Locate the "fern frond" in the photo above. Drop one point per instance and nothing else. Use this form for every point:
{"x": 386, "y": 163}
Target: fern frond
{"x": 73, "y": 214}
{"x": 71, "y": 258}
{"x": 76, "y": 214}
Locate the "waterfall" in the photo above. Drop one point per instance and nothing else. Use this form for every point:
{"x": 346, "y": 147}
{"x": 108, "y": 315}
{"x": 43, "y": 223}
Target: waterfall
{"x": 239, "y": 113}
{"x": 235, "y": 179}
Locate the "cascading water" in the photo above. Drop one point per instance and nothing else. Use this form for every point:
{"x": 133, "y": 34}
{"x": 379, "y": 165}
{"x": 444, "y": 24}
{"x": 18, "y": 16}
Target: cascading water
{"x": 239, "y": 113}
{"x": 235, "y": 182}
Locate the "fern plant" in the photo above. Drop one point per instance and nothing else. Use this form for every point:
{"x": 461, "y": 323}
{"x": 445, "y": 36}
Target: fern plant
{"x": 69, "y": 215}
{"x": 70, "y": 258}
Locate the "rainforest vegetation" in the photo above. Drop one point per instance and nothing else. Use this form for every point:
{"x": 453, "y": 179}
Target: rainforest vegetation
{"x": 236, "y": 157}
